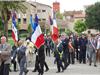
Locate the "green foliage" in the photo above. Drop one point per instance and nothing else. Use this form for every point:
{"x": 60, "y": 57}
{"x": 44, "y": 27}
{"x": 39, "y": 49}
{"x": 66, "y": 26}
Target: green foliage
{"x": 59, "y": 15}
{"x": 1, "y": 25}
{"x": 12, "y": 5}
{"x": 17, "y": 25}
{"x": 6, "y": 7}
{"x": 10, "y": 41}
{"x": 68, "y": 31}
{"x": 23, "y": 35}
{"x": 9, "y": 34}
{"x": 93, "y": 16}
{"x": 29, "y": 29}
{"x": 80, "y": 26}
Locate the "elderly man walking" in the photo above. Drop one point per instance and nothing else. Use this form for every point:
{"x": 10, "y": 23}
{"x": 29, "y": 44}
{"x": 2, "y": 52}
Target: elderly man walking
{"x": 98, "y": 48}
{"x": 91, "y": 47}
{"x": 5, "y": 51}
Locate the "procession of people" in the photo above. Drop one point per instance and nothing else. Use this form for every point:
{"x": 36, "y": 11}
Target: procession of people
{"x": 66, "y": 50}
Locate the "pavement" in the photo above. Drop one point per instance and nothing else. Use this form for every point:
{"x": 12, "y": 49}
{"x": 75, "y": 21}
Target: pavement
{"x": 75, "y": 69}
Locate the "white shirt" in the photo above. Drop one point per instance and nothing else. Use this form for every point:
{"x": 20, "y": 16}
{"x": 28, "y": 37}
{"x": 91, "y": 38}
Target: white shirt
{"x": 98, "y": 43}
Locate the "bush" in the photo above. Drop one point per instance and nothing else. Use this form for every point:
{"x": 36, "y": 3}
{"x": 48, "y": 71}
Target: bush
{"x": 10, "y": 41}
{"x": 23, "y": 35}
{"x": 68, "y": 31}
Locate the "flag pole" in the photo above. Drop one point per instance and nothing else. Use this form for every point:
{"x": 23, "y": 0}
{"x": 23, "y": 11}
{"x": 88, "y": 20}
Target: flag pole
{"x": 45, "y": 29}
{"x": 36, "y": 7}
{"x": 45, "y": 23}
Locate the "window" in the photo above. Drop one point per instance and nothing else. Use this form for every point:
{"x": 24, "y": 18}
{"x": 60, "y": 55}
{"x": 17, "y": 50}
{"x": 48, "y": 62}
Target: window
{"x": 39, "y": 19}
{"x": 19, "y": 20}
{"x": 24, "y": 20}
{"x": 44, "y": 19}
{"x": 43, "y": 10}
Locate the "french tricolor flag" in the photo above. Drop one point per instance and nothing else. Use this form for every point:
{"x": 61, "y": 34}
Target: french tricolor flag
{"x": 14, "y": 30}
{"x": 37, "y": 37}
{"x": 54, "y": 28}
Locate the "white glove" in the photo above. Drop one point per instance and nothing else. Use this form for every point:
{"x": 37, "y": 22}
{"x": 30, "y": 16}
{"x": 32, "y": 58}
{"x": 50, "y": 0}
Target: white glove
{"x": 78, "y": 49}
{"x": 36, "y": 53}
{"x": 11, "y": 57}
{"x": 96, "y": 51}
{"x": 0, "y": 52}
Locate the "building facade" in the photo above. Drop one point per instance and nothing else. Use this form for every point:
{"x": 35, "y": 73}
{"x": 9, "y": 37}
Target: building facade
{"x": 74, "y": 15}
{"x": 56, "y": 6}
{"x": 43, "y": 11}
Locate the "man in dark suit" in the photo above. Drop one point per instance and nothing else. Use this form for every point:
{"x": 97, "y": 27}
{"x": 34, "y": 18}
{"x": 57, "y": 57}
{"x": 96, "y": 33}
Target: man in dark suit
{"x": 13, "y": 61}
{"x": 37, "y": 63}
{"x": 76, "y": 46}
{"x": 82, "y": 44}
{"x": 66, "y": 52}
{"x": 41, "y": 60}
{"x": 59, "y": 55}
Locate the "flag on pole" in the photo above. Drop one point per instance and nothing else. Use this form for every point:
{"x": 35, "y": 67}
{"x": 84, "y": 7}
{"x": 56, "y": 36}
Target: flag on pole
{"x": 54, "y": 28}
{"x": 50, "y": 20}
{"x": 31, "y": 22}
{"x": 50, "y": 23}
{"x": 14, "y": 30}
{"x": 37, "y": 37}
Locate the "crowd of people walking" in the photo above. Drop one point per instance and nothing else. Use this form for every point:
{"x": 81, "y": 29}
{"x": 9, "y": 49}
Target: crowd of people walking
{"x": 66, "y": 50}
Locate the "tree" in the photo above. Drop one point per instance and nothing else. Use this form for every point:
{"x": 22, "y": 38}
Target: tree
{"x": 93, "y": 16}
{"x": 1, "y": 27}
{"x": 59, "y": 15}
{"x": 68, "y": 31}
{"x": 5, "y": 11}
{"x": 80, "y": 26}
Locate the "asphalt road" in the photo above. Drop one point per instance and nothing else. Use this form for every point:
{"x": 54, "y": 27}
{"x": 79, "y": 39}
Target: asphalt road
{"x": 76, "y": 69}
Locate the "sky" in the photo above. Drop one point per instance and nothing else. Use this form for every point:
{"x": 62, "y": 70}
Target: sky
{"x": 67, "y": 5}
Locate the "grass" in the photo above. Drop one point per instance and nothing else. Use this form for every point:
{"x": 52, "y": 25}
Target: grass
{"x": 10, "y": 41}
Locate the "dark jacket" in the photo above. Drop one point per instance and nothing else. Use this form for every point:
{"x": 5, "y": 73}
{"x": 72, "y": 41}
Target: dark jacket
{"x": 59, "y": 52}
{"x": 20, "y": 52}
{"x": 76, "y": 42}
{"x": 41, "y": 53}
{"x": 82, "y": 42}
{"x": 65, "y": 44}
{"x": 14, "y": 48}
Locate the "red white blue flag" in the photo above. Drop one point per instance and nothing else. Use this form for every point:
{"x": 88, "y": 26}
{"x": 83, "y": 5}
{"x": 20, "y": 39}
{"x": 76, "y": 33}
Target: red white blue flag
{"x": 54, "y": 28}
{"x": 14, "y": 30}
{"x": 37, "y": 37}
